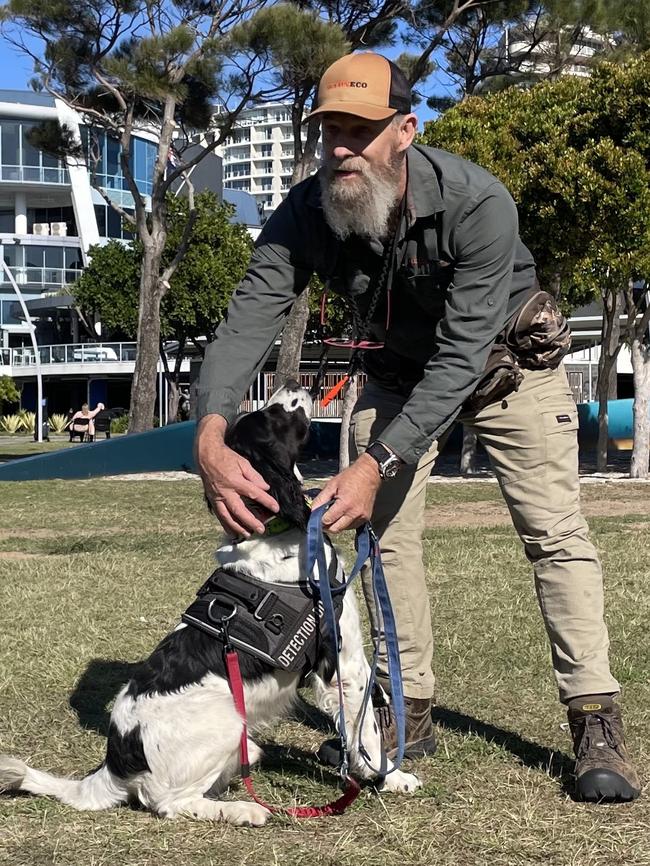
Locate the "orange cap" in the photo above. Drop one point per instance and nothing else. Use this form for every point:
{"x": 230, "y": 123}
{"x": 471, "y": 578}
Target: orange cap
{"x": 366, "y": 85}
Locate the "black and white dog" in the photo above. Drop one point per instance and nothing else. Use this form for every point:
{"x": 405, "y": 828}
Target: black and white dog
{"x": 174, "y": 731}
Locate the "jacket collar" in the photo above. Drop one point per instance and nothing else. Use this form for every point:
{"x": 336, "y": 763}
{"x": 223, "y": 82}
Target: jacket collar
{"x": 423, "y": 194}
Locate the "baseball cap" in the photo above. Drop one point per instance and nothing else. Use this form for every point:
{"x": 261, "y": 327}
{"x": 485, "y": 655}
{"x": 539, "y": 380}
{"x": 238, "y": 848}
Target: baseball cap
{"x": 367, "y": 85}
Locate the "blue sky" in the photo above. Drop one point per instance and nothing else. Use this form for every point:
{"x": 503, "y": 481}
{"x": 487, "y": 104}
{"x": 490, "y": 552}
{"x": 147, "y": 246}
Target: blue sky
{"x": 16, "y": 69}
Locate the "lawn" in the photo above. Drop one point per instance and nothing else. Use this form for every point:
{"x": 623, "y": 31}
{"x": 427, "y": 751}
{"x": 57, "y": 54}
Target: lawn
{"x": 94, "y": 573}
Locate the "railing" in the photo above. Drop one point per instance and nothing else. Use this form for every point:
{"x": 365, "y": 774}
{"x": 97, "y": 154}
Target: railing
{"x": 58, "y": 277}
{"x": 74, "y": 353}
{"x": 262, "y": 388}
{"x": 33, "y": 174}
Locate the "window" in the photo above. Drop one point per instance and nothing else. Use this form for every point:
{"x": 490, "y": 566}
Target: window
{"x": 266, "y": 150}
{"x": 7, "y": 318}
{"x": 109, "y": 223}
{"x": 7, "y": 220}
{"x": 10, "y": 147}
{"x": 238, "y": 184}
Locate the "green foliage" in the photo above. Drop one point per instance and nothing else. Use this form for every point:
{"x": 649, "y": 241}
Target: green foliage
{"x": 10, "y": 423}
{"x": 120, "y": 425}
{"x": 575, "y": 154}
{"x": 8, "y": 391}
{"x": 301, "y": 44}
{"x": 199, "y": 291}
{"x": 27, "y": 420}
{"x": 57, "y": 423}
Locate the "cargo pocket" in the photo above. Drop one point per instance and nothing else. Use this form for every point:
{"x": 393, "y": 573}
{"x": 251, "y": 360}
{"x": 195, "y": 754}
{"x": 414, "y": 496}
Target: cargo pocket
{"x": 560, "y": 424}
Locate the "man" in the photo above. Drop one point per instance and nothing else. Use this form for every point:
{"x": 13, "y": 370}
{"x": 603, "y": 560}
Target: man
{"x": 425, "y": 246}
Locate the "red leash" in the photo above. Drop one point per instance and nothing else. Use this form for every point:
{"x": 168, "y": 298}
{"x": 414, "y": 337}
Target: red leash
{"x": 337, "y": 807}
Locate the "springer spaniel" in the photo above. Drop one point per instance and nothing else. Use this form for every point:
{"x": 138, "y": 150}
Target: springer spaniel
{"x": 174, "y": 732}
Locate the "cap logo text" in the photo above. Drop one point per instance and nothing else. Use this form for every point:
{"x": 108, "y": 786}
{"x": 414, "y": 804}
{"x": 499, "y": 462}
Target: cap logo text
{"x": 347, "y": 84}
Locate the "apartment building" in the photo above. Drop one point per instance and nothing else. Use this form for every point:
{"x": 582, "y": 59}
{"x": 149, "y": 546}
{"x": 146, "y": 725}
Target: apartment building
{"x": 258, "y": 157}
{"x": 49, "y": 217}
{"x": 561, "y": 51}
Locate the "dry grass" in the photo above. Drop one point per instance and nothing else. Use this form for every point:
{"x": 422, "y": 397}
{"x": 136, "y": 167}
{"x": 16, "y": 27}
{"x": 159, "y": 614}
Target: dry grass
{"x": 106, "y": 568}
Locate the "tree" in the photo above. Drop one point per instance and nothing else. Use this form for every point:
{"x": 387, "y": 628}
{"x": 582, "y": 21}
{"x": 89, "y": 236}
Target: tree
{"x": 199, "y": 291}
{"x": 133, "y": 65}
{"x": 574, "y": 154}
{"x": 8, "y": 391}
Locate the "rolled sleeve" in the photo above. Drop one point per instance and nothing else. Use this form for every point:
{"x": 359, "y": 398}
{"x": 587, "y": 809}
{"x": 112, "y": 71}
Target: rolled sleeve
{"x": 475, "y": 312}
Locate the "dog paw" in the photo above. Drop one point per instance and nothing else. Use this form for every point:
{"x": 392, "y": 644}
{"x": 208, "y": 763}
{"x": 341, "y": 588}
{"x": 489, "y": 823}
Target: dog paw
{"x": 248, "y": 815}
{"x": 399, "y": 782}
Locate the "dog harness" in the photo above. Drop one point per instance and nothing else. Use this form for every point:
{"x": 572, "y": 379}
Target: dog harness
{"x": 281, "y": 624}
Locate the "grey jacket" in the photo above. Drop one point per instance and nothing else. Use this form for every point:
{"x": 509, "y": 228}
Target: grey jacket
{"x": 460, "y": 271}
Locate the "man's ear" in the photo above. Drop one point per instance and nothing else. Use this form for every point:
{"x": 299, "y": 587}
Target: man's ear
{"x": 406, "y": 131}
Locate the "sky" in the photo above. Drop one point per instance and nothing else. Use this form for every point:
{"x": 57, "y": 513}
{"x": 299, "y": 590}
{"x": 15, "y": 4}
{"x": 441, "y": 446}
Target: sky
{"x": 16, "y": 70}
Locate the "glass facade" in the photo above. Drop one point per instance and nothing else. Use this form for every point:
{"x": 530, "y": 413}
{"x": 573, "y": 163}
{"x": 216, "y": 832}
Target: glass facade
{"x": 41, "y": 266}
{"x": 20, "y": 161}
{"x": 107, "y": 152}
{"x": 109, "y": 223}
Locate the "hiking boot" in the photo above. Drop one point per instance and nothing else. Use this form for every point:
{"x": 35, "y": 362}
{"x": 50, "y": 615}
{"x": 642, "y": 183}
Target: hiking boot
{"x": 419, "y": 737}
{"x": 603, "y": 769}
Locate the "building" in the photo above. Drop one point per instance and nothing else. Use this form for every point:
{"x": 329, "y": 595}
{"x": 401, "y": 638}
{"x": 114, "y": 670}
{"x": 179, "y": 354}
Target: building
{"x": 49, "y": 217}
{"x": 555, "y": 52}
{"x": 258, "y": 157}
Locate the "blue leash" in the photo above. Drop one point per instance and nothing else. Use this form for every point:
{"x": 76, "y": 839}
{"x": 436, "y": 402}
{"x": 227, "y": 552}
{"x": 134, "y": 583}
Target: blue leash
{"x": 367, "y": 546}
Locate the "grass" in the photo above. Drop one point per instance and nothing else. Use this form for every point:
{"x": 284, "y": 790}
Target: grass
{"x": 93, "y": 574}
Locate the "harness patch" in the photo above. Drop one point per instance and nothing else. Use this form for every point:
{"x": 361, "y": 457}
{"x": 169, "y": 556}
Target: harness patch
{"x": 282, "y": 624}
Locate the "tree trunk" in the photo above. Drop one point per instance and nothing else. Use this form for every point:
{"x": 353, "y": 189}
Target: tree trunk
{"x": 349, "y": 399}
{"x": 173, "y": 399}
{"x": 469, "y": 453}
{"x": 288, "y": 366}
{"x": 641, "y": 372}
{"x": 143, "y": 387}
{"x": 606, "y": 389}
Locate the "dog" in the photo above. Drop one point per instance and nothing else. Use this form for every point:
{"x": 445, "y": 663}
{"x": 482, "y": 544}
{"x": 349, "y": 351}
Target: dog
{"x": 174, "y": 732}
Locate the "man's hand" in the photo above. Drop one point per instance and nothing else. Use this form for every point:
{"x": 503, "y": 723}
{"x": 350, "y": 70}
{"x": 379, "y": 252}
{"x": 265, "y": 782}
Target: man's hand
{"x": 227, "y": 477}
{"x": 354, "y": 491}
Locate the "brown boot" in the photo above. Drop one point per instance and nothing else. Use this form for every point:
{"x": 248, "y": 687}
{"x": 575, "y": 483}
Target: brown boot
{"x": 604, "y": 772}
{"x": 419, "y": 740}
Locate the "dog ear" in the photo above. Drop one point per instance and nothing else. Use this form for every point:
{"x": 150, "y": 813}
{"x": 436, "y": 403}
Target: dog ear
{"x": 270, "y": 439}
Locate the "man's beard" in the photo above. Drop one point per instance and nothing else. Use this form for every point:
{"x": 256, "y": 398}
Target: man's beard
{"x": 363, "y": 206}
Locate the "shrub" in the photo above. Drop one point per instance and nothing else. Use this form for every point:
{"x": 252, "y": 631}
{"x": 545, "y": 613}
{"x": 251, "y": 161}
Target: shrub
{"x": 120, "y": 425}
{"x": 27, "y": 421}
{"x": 8, "y": 391}
{"x": 10, "y": 423}
{"x": 57, "y": 423}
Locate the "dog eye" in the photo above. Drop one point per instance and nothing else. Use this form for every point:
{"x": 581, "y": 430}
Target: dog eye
{"x": 294, "y": 403}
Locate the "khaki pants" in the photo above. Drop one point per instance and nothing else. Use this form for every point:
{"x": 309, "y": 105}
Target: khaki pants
{"x": 531, "y": 440}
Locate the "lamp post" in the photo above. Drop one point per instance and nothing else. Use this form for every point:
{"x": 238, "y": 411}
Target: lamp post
{"x": 37, "y": 357}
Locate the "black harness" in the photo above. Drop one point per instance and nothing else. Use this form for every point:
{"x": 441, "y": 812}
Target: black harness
{"x": 282, "y": 624}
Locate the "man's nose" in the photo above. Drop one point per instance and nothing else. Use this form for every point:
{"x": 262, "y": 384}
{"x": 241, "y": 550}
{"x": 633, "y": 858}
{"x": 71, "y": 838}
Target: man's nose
{"x": 341, "y": 150}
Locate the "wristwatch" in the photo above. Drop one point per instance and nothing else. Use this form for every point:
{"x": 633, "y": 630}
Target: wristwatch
{"x": 387, "y": 461}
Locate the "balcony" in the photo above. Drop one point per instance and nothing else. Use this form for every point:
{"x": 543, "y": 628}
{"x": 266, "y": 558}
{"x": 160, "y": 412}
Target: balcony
{"x": 79, "y": 354}
{"x": 42, "y": 278}
{"x": 33, "y": 174}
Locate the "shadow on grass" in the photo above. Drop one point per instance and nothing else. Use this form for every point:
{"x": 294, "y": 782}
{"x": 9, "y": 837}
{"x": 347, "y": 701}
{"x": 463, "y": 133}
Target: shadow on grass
{"x": 95, "y": 690}
{"x": 558, "y": 765}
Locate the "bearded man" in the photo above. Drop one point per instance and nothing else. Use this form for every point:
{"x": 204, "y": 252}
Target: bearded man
{"x": 425, "y": 247}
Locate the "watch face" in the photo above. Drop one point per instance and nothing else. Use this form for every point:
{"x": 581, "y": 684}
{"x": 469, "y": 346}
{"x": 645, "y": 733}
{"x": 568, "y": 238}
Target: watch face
{"x": 391, "y": 469}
